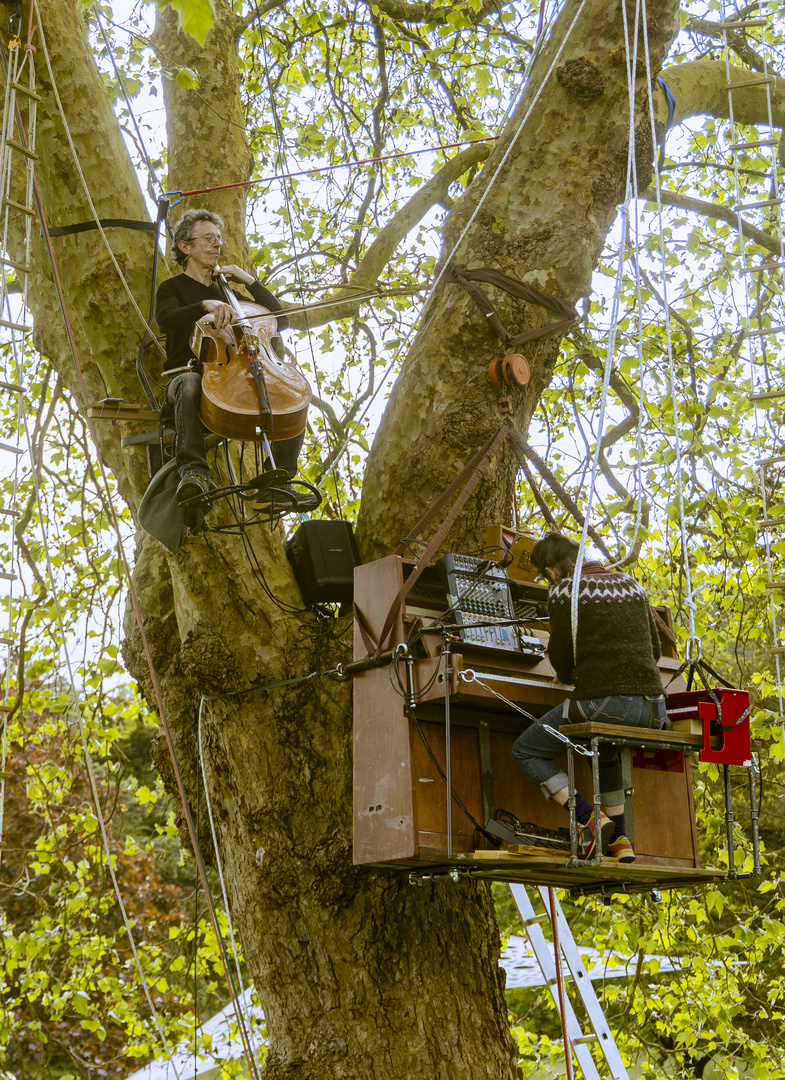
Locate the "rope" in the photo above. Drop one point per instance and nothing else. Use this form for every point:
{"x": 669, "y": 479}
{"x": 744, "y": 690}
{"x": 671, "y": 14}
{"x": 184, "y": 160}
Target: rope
{"x": 219, "y": 867}
{"x": 121, "y": 83}
{"x": 298, "y": 271}
{"x": 613, "y": 328}
{"x": 689, "y": 602}
{"x": 13, "y": 74}
{"x": 75, "y": 706}
{"x": 330, "y": 168}
{"x": 775, "y": 193}
{"x": 403, "y": 342}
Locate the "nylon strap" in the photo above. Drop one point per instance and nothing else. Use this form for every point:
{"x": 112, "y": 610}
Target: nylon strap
{"x": 462, "y": 276}
{"x": 474, "y": 470}
{"x": 524, "y": 451}
{"x": 106, "y": 223}
{"x": 550, "y": 520}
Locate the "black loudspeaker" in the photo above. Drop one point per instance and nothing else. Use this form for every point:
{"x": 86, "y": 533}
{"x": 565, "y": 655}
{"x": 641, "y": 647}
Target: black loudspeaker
{"x": 323, "y": 555}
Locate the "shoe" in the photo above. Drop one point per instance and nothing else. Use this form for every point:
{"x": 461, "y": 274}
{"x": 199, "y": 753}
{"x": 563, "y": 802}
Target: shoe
{"x": 192, "y": 485}
{"x": 588, "y": 835}
{"x": 621, "y": 849}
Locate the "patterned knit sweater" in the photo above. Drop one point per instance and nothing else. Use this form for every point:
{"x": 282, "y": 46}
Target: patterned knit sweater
{"x": 618, "y": 643}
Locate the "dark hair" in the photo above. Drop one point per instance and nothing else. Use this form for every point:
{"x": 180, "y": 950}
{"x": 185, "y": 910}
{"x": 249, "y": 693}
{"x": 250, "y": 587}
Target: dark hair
{"x": 557, "y": 551}
{"x": 185, "y": 228}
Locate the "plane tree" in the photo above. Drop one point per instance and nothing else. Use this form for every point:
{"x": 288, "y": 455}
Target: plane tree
{"x": 359, "y": 973}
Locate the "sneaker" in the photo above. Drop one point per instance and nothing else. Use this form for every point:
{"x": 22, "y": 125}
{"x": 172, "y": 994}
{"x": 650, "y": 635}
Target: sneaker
{"x": 621, "y": 849}
{"x": 588, "y": 835}
{"x": 192, "y": 485}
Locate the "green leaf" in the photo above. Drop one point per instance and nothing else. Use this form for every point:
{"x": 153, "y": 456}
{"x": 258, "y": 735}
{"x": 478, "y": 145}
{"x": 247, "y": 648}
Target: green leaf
{"x": 188, "y": 78}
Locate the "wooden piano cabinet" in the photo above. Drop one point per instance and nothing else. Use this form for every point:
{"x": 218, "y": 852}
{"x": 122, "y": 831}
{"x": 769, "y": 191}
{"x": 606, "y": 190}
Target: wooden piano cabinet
{"x": 400, "y": 800}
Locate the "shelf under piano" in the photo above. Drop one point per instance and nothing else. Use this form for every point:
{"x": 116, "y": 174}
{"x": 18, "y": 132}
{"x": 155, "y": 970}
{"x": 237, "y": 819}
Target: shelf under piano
{"x": 400, "y": 798}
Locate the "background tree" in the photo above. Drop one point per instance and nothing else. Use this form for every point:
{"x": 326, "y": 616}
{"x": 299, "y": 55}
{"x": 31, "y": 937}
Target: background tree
{"x": 359, "y": 974}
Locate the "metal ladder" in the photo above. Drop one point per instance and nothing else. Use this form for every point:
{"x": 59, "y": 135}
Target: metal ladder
{"x": 578, "y": 1041}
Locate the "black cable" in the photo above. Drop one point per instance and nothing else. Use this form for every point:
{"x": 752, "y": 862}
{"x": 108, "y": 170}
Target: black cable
{"x": 410, "y": 713}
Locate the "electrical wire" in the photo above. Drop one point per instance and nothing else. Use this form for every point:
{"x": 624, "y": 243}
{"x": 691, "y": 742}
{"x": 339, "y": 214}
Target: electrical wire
{"x": 298, "y": 271}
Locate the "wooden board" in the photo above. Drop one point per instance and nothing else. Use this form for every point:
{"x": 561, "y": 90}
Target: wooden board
{"x": 384, "y": 824}
{"x": 121, "y": 410}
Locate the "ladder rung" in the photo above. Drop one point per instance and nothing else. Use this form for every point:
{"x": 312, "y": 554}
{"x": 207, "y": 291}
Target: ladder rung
{"x": 757, "y": 205}
{"x": 6, "y": 575}
{"x": 10, "y": 386}
{"x": 4, "y": 775}
{"x": 15, "y": 265}
{"x": 762, "y": 333}
{"x": 10, "y": 513}
{"x": 769, "y": 523}
{"x": 6, "y": 708}
{"x": 31, "y": 153}
{"x": 542, "y": 917}
{"x": 775, "y": 584}
{"x": 771, "y": 460}
{"x": 754, "y": 145}
{"x": 15, "y": 326}
{"x": 584, "y": 1038}
{"x": 762, "y": 80}
{"x": 780, "y": 649}
{"x": 769, "y": 395}
{"x": 20, "y": 89}
{"x": 739, "y": 24}
{"x": 11, "y": 449}
{"x": 761, "y": 267}
{"x": 20, "y": 207}
{"x": 6, "y": 641}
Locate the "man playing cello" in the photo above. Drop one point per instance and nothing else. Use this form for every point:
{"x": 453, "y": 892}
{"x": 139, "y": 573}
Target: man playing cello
{"x": 180, "y": 301}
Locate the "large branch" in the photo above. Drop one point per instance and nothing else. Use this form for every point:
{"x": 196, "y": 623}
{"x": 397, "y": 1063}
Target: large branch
{"x": 701, "y": 89}
{"x": 433, "y": 193}
{"x": 736, "y": 40}
{"x": 401, "y": 11}
{"x": 720, "y": 211}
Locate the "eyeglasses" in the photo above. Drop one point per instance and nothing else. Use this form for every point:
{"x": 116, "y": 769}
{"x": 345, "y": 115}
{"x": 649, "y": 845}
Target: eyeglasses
{"x": 211, "y": 238}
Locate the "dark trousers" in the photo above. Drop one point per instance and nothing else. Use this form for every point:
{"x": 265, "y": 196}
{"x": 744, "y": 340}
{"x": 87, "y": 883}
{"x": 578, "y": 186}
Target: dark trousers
{"x": 536, "y": 748}
{"x": 183, "y": 395}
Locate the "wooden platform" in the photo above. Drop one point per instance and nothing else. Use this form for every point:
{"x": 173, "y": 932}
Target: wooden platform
{"x": 608, "y": 877}
{"x": 400, "y": 798}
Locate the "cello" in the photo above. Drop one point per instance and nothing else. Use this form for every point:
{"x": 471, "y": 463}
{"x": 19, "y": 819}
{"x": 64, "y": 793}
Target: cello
{"x": 248, "y": 393}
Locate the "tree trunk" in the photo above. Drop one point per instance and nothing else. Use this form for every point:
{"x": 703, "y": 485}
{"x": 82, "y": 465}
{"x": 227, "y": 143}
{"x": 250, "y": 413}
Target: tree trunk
{"x": 546, "y": 234}
{"x": 360, "y": 974}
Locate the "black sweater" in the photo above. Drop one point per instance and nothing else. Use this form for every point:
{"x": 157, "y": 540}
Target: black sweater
{"x": 178, "y": 304}
{"x": 618, "y": 642}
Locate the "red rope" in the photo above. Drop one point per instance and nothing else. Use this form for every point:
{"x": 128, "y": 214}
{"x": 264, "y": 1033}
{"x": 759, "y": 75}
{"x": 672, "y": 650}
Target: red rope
{"x": 330, "y": 168}
{"x": 560, "y": 983}
{"x": 542, "y": 16}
